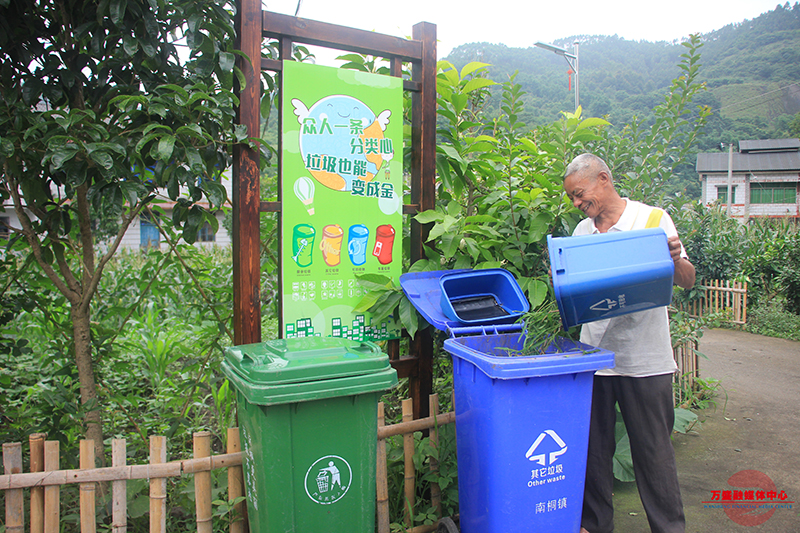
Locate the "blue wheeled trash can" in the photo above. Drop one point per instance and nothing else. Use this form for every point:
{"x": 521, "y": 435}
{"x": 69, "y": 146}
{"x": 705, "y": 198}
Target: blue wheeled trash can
{"x": 522, "y": 422}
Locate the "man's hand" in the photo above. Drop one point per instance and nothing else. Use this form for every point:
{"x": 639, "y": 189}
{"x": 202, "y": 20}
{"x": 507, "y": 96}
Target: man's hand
{"x": 684, "y": 270}
{"x": 675, "y": 247}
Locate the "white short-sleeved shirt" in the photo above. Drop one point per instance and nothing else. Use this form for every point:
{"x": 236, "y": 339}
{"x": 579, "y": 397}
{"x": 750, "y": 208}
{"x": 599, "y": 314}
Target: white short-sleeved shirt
{"x": 640, "y": 341}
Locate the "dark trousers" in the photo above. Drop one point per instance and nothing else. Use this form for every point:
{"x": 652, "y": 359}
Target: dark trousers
{"x": 647, "y": 409}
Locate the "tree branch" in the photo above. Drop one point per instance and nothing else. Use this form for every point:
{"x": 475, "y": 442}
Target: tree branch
{"x": 36, "y": 247}
{"x": 98, "y": 271}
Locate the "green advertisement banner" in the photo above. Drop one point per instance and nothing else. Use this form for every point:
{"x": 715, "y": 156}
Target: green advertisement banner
{"x": 341, "y": 197}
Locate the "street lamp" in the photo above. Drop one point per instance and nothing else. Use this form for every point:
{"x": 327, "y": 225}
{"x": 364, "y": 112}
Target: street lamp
{"x": 572, "y": 61}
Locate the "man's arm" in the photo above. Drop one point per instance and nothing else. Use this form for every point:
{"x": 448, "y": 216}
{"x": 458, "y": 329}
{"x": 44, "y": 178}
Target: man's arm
{"x": 684, "y": 269}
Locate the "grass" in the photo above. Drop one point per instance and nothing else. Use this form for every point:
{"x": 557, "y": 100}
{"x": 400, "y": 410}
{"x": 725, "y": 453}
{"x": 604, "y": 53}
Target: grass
{"x": 542, "y": 327}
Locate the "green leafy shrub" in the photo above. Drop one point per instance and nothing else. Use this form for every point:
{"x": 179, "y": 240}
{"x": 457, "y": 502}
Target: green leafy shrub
{"x": 773, "y": 319}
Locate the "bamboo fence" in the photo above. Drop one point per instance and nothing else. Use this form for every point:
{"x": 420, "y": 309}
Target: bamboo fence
{"x": 688, "y": 370}
{"x": 721, "y": 296}
{"x": 46, "y": 479}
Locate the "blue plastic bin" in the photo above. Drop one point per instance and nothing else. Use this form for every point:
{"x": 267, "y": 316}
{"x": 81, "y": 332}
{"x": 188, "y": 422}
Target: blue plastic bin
{"x": 610, "y": 274}
{"x": 522, "y": 423}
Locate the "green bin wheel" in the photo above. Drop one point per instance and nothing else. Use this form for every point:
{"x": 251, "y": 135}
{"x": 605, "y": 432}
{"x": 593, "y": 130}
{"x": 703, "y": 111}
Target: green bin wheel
{"x": 446, "y": 525}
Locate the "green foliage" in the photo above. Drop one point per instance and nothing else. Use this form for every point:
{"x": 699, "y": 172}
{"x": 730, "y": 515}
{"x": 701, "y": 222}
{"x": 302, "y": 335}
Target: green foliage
{"x": 765, "y": 253}
{"x": 384, "y": 299}
{"x": 125, "y": 123}
{"x": 542, "y": 326}
{"x": 446, "y": 476}
{"x": 713, "y": 241}
{"x": 770, "y": 260}
{"x": 685, "y": 419}
{"x": 157, "y": 338}
{"x": 699, "y": 396}
{"x": 501, "y": 191}
{"x": 749, "y": 69}
{"x": 771, "y": 318}
{"x": 161, "y": 324}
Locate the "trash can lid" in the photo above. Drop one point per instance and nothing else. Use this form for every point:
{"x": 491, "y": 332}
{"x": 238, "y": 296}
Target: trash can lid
{"x": 308, "y": 368}
{"x": 450, "y": 299}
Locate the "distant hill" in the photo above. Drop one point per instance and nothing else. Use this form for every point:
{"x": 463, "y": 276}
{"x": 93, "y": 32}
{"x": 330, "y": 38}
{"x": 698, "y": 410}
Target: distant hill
{"x": 752, "y": 70}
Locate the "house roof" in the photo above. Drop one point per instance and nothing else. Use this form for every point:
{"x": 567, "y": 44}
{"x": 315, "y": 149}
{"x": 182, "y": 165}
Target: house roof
{"x": 770, "y": 155}
{"x": 770, "y": 145}
{"x": 766, "y": 162}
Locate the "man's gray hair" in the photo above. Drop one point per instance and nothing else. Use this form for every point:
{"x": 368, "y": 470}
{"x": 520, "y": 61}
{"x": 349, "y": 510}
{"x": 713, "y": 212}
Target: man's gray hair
{"x": 587, "y": 161}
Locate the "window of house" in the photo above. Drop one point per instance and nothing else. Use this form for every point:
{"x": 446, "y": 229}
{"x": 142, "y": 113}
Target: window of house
{"x": 206, "y": 234}
{"x": 4, "y": 225}
{"x": 722, "y": 194}
{"x": 148, "y": 232}
{"x": 773, "y": 193}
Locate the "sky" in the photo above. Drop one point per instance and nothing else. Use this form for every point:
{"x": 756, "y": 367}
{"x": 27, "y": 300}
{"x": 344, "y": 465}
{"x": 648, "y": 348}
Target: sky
{"x": 520, "y": 23}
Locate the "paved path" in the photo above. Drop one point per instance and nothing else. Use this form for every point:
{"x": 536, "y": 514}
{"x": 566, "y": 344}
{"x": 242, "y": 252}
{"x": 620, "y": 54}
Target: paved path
{"x": 754, "y": 426}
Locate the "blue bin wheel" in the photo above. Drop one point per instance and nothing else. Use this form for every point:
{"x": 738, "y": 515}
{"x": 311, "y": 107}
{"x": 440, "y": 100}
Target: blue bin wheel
{"x": 446, "y": 525}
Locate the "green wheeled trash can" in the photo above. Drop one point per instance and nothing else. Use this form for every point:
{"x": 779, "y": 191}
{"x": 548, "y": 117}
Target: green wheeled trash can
{"x": 308, "y": 423}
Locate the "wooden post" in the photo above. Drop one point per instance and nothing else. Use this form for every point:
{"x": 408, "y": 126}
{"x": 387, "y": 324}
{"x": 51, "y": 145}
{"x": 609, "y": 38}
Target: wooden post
{"x": 410, "y": 473}
{"x": 87, "y": 490}
{"x": 236, "y": 483}
{"x": 744, "y": 304}
{"x": 381, "y": 479}
{"x": 158, "y": 486}
{"x": 36, "y": 441}
{"x": 52, "y": 493}
{"x": 423, "y": 192}
{"x": 246, "y": 180}
{"x": 119, "y": 489}
{"x": 15, "y": 503}
{"x": 201, "y": 446}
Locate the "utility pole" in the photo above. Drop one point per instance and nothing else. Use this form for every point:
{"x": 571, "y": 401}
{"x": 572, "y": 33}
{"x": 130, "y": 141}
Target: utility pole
{"x": 730, "y": 177}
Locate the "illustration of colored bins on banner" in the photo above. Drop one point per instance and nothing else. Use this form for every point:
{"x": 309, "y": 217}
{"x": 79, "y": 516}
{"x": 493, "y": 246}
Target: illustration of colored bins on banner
{"x": 331, "y": 244}
{"x": 384, "y": 240}
{"x": 357, "y": 237}
{"x": 302, "y": 244}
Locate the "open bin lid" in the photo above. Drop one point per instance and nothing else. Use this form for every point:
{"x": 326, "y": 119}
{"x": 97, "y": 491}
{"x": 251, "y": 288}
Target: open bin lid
{"x": 450, "y": 299}
{"x": 310, "y": 368}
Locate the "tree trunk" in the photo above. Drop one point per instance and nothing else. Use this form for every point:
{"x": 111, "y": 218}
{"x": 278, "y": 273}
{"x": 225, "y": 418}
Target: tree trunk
{"x": 88, "y": 387}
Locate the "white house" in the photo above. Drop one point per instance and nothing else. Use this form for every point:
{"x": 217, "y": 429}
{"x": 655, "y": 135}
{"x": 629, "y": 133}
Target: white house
{"x": 765, "y": 176}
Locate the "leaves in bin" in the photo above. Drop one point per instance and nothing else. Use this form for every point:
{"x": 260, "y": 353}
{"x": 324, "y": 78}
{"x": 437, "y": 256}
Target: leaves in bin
{"x": 541, "y": 326}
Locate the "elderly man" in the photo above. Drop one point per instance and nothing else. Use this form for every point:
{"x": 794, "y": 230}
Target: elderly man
{"x": 641, "y": 380}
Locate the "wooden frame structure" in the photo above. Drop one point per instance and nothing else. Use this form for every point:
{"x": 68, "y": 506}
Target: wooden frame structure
{"x": 254, "y": 25}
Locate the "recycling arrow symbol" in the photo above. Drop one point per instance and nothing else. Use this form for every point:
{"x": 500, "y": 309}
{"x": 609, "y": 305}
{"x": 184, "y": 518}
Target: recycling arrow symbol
{"x": 607, "y": 304}
{"x": 541, "y": 457}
